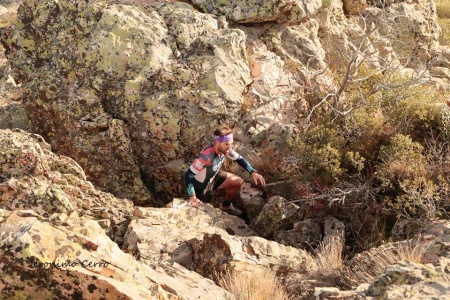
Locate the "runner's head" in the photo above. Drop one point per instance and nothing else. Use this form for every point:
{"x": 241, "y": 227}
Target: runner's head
{"x": 223, "y": 139}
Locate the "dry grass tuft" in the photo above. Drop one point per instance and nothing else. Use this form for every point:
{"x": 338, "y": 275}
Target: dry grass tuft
{"x": 411, "y": 250}
{"x": 257, "y": 284}
{"x": 329, "y": 256}
{"x": 370, "y": 265}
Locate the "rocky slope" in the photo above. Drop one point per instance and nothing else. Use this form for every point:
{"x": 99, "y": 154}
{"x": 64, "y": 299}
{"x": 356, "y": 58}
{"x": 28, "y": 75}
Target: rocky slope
{"x": 60, "y": 237}
{"x": 114, "y": 98}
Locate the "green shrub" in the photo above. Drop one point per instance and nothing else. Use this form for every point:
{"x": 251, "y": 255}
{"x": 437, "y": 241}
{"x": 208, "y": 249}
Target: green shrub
{"x": 365, "y": 130}
{"x": 381, "y": 137}
{"x": 320, "y": 152}
{"x": 415, "y": 110}
{"x": 416, "y": 190}
{"x": 401, "y": 160}
{"x": 419, "y": 198}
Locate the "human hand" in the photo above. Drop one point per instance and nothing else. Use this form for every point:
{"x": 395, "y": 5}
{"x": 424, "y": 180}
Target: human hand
{"x": 258, "y": 178}
{"x": 194, "y": 201}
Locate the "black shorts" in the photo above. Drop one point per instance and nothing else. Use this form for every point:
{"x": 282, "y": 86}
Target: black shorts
{"x": 217, "y": 181}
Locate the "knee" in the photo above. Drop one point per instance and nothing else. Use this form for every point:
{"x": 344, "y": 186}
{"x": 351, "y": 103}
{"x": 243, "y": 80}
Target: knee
{"x": 239, "y": 183}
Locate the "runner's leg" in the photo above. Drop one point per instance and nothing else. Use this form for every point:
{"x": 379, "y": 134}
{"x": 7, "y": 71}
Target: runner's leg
{"x": 232, "y": 184}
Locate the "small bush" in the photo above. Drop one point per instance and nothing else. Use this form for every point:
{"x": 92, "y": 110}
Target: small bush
{"x": 414, "y": 110}
{"x": 423, "y": 198}
{"x": 419, "y": 198}
{"x": 257, "y": 284}
{"x": 401, "y": 160}
{"x": 320, "y": 150}
{"x": 366, "y": 130}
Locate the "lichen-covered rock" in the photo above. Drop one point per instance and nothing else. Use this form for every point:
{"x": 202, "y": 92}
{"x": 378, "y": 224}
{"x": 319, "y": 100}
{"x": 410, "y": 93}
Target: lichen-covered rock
{"x": 414, "y": 28}
{"x": 116, "y": 96}
{"x": 81, "y": 262}
{"x": 70, "y": 117}
{"x": 332, "y": 227}
{"x": 252, "y": 200}
{"x": 260, "y": 11}
{"x": 12, "y": 112}
{"x": 304, "y": 234}
{"x": 276, "y": 214}
{"x": 269, "y": 100}
{"x": 12, "y": 115}
{"x": 401, "y": 280}
{"x": 187, "y": 24}
{"x": 409, "y": 281}
{"x": 205, "y": 239}
{"x": 437, "y": 235}
{"x": 33, "y": 177}
{"x": 441, "y": 56}
{"x": 163, "y": 233}
{"x": 214, "y": 253}
{"x": 408, "y": 43}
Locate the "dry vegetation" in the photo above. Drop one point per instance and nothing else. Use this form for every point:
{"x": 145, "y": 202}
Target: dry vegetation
{"x": 329, "y": 256}
{"x": 368, "y": 266}
{"x": 443, "y": 12}
{"x": 388, "y": 153}
{"x": 328, "y": 266}
{"x": 257, "y": 284}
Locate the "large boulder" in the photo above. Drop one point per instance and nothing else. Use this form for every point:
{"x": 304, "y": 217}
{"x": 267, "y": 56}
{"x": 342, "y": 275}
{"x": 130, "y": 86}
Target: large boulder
{"x": 116, "y": 94}
{"x": 162, "y": 234}
{"x": 80, "y": 262}
{"x": 277, "y": 214}
{"x": 261, "y": 11}
{"x": 304, "y": 234}
{"x": 33, "y": 177}
{"x": 408, "y": 280}
{"x": 205, "y": 240}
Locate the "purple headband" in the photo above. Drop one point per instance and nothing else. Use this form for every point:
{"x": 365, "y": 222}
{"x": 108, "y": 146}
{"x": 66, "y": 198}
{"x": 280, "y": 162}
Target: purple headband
{"x": 223, "y": 138}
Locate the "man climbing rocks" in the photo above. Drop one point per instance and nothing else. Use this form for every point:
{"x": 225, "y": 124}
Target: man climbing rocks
{"x": 204, "y": 173}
